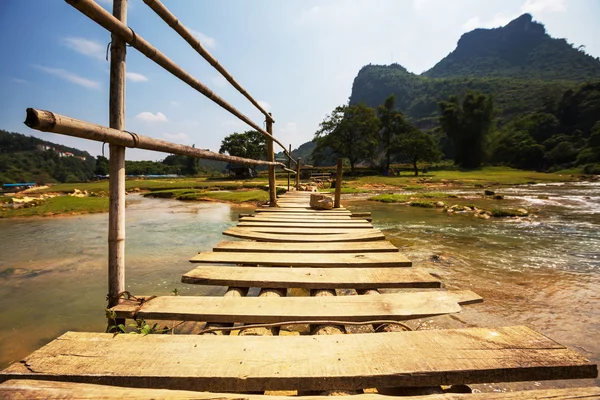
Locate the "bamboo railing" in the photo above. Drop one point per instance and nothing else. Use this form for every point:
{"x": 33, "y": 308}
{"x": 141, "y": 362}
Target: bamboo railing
{"x": 118, "y": 138}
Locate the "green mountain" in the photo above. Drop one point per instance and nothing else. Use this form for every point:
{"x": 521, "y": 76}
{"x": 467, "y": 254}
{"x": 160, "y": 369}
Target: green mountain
{"x": 521, "y": 49}
{"x": 519, "y": 64}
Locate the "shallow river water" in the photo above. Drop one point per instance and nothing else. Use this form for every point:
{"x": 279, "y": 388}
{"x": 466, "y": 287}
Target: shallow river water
{"x": 543, "y": 272}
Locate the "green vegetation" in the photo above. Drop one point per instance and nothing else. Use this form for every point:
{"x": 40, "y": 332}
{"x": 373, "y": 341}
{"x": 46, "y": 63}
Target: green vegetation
{"x": 467, "y": 126}
{"x": 507, "y": 212}
{"x": 350, "y": 132}
{"x": 250, "y": 144}
{"x": 29, "y": 159}
{"x": 61, "y": 205}
{"x": 403, "y": 198}
{"x": 521, "y": 49}
{"x": 422, "y": 204}
{"x": 238, "y": 196}
{"x": 391, "y": 198}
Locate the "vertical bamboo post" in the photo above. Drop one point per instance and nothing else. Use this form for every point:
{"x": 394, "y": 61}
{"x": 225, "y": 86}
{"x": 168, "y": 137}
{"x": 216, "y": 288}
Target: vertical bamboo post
{"x": 116, "y": 213}
{"x": 338, "y": 183}
{"x": 271, "y": 157}
{"x": 298, "y": 173}
{"x": 289, "y": 165}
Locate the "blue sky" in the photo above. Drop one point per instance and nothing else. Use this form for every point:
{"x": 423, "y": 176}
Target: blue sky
{"x": 298, "y": 58}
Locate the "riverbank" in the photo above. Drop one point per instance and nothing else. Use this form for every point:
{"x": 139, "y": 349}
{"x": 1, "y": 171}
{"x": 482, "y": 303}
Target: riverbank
{"x": 418, "y": 191}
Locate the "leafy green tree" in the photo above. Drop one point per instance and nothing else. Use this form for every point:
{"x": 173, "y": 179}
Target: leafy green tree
{"x": 392, "y": 124}
{"x": 417, "y": 146}
{"x": 102, "y": 165}
{"x": 350, "y": 132}
{"x": 250, "y": 144}
{"x": 467, "y": 125}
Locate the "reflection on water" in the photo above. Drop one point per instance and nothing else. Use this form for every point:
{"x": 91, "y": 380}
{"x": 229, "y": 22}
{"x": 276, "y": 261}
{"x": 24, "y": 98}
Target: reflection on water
{"x": 544, "y": 273}
{"x": 53, "y": 273}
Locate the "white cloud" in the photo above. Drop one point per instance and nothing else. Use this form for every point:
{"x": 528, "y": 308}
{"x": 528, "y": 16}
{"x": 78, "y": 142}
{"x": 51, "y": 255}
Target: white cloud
{"x": 220, "y": 81}
{"x": 178, "y": 137}
{"x": 541, "y": 6}
{"x": 69, "y": 76}
{"x": 19, "y": 80}
{"x": 86, "y": 47}
{"x": 204, "y": 39}
{"x": 419, "y": 4}
{"x": 148, "y": 117}
{"x": 264, "y": 105}
{"x": 135, "y": 77}
{"x": 175, "y": 103}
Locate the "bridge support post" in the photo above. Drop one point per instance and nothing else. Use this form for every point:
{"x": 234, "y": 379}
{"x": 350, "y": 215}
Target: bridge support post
{"x": 271, "y": 157}
{"x": 338, "y": 183}
{"x": 116, "y": 213}
{"x": 298, "y": 173}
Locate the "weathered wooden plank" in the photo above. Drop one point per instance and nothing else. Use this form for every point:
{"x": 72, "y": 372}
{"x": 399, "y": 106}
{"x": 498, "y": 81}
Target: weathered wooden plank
{"x": 305, "y": 260}
{"x": 306, "y": 210}
{"x": 336, "y": 248}
{"x": 304, "y": 217}
{"x": 313, "y": 278}
{"x": 307, "y": 231}
{"x": 354, "y": 236}
{"x": 312, "y": 225}
{"x": 397, "y": 306}
{"x": 238, "y": 364}
{"x": 18, "y": 389}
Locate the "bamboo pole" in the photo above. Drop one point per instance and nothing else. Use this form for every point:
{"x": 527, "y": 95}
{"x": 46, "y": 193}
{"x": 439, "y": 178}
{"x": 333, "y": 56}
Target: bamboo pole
{"x": 289, "y": 165}
{"x": 271, "y": 157}
{"x": 48, "y": 121}
{"x": 298, "y": 174}
{"x": 98, "y": 14}
{"x": 116, "y": 185}
{"x": 338, "y": 183}
{"x": 174, "y": 23}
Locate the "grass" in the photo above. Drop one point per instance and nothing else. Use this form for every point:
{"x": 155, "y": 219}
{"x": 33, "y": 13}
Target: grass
{"x": 507, "y": 212}
{"x": 346, "y": 190}
{"x": 158, "y": 184}
{"x": 61, "y": 205}
{"x": 238, "y": 196}
{"x": 486, "y": 176}
{"x": 403, "y": 198}
{"x": 422, "y": 204}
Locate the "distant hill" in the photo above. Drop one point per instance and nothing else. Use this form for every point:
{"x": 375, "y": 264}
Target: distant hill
{"x": 519, "y": 64}
{"x": 304, "y": 152}
{"x": 521, "y": 49}
{"x": 29, "y": 159}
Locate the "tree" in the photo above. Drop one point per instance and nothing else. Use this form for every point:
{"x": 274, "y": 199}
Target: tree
{"x": 392, "y": 124}
{"x": 467, "y": 126}
{"x": 350, "y": 132}
{"x": 250, "y": 144}
{"x": 417, "y": 146}
{"x": 101, "y": 165}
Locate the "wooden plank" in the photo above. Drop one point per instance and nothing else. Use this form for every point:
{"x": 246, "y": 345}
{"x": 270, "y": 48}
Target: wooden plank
{"x": 305, "y": 260}
{"x": 354, "y": 236}
{"x": 248, "y": 310}
{"x": 312, "y": 278}
{"x": 340, "y": 247}
{"x": 18, "y": 389}
{"x": 307, "y": 231}
{"x": 312, "y": 225}
{"x": 344, "y": 362}
{"x": 306, "y": 210}
{"x": 304, "y": 217}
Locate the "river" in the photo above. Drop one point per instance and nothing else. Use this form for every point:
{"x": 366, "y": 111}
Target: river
{"x": 543, "y": 272}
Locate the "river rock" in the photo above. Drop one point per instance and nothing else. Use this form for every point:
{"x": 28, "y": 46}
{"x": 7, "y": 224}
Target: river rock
{"x": 321, "y": 202}
{"x": 440, "y": 204}
{"x": 523, "y": 212}
{"x": 489, "y": 192}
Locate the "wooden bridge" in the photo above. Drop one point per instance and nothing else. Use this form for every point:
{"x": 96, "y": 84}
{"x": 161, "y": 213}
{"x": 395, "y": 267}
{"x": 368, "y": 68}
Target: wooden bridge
{"x": 318, "y": 325}
{"x": 302, "y": 315}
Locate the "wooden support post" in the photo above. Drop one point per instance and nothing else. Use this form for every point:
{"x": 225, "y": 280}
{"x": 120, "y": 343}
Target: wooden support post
{"x": 298, "y": 174}
{"x": 289, "y": 163}
{"x": 271, "y": 157}
{"x": 338, "y": 183}
{"x": 116, "y": 212}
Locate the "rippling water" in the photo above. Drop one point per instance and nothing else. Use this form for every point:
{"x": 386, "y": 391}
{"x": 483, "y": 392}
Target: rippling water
{"x": 543, "y": 272}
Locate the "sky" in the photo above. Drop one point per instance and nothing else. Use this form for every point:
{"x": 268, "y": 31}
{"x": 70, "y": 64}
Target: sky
{"x": 298, "y": 58}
